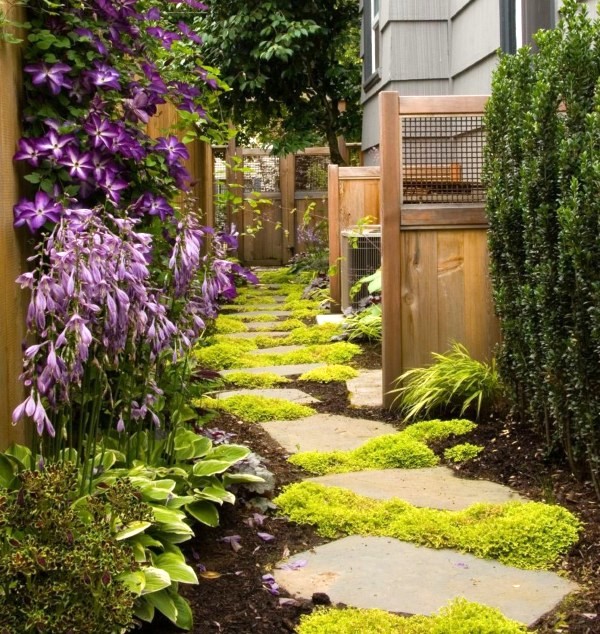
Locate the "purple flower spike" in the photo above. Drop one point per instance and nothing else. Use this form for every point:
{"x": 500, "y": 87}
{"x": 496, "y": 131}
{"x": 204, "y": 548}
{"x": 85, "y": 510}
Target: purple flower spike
{"x": 36, "y": 213}
{"x": 51, "y": 76}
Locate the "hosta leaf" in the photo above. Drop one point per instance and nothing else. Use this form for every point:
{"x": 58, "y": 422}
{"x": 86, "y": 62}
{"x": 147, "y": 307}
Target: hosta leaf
{"x": 132, "y": 529}
{"x": 134, "y": 581}
{"x": 209, "y": 467}
{"x": 216, "y": 494}
{"x": 231, "y": 453}
{"x": 144, "y": 610}
{"x": 184, "y": 613}
{"x": 163, "y": 602}
{"x": 175, "y": 565}
{"x": 240, "y": 478}
{"x": 205, "y": 512}
{"x": 7, "y": 471}
{"x": 156, "y": 579}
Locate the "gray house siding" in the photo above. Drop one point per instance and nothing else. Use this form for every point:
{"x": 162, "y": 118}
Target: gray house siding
{"x": 431, "y": 47}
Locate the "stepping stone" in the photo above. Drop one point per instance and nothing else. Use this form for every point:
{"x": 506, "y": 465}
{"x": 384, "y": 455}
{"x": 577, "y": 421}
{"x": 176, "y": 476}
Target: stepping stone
{"x": 384, "y": 573}
{"x": 280, "y": 370}
{"x": 329, "y": 319}
{"x": 288, "y": 394}
{"x": 366, "y": 390}
{"x": 277, "y": 350}
{"x": 261, "y": 313}
{"x": 254, "y": 308}
{"x": 256, "y": 333}
{"x": 257, "y": 325}
{"x": 325, "y": 432}
{"x": 435, "y": 487}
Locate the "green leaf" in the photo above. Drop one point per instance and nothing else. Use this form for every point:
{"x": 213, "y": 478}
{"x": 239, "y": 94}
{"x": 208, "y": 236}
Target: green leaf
{"x": 155, "y": 579}
{"x": 158, "y": 490}
{"x": 185, "y": 619}
{"x": 205, "y": 512}
{"x": 231, "y": 453}
{"x": 174, "y": 564}
{"x": 134, "y": 581}
{"x": 210, "y": 467}
{"x": 21, "y": 455}
{"x": 132, "y": 529}
{"x": 240, "y": 478}
{"x": 216, "y": 494}
{"x": 7, "y": 471}
{"x": 164, "y": 603}
{"x": 144, "y": 610}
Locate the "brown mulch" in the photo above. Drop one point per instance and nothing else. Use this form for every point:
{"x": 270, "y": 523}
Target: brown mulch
{"x": 232, "y": 598}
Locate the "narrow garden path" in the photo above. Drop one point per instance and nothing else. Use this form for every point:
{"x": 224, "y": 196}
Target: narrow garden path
{"x": 408, "y": 536}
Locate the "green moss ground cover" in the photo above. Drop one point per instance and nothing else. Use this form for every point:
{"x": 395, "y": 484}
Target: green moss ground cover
{"x": 463, "y": 452}
{"x": 405, "y": 450}
{"x": 256, "y": 381}
{"x": 226, "y": 325}
{"x": 530, "y": 536}
{"x": 231, "y": 354}
{"x": 329, "y": 374}
{"x": 256, "y": 409}
{"x": 459, "y": 617}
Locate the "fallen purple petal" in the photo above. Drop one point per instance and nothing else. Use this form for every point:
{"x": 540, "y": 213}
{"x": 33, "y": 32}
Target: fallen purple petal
{"x": 266, "y": 537}
{"x": 293, "y": 565}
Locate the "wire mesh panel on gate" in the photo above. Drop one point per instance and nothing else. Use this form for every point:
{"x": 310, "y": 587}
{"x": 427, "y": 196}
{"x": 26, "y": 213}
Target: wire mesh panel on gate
{"x": 442, "y": 158}
{"x": 261, "y": 173}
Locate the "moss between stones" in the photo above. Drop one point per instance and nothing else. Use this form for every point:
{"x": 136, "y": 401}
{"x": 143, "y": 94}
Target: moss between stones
{"x": 227, "y": 325}
{"x": 329, "y": 374}
{"x": 257, "y": 381}
{"x": 256, "y": 409}
{"x": 530, "y": 536}
{"x": 304, "y": 335}
{"x": 284, "y": 325}
{"x": 243, "y": 317}
{"x": 463, "y": 452}
{"x": 301, "y": 304}
{"x": 459, "y": 617}
{"x": 231, "y": 354}
{"x": 405, "y": 450}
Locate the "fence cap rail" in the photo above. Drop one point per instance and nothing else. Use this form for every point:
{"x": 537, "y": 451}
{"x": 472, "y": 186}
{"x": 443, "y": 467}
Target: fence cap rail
{"x": 438, "y": 104}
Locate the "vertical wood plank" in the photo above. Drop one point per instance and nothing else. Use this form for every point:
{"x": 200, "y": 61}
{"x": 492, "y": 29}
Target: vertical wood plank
{"x": 418, "y": 289}
{"x": 13, "y": 250}
{"x": 390, "y": 151}
{"x": 288, "y": 218}
{"x": 333, "y": 214}
{"x": 206, "y": 179}
{"x": 451, "y": 288}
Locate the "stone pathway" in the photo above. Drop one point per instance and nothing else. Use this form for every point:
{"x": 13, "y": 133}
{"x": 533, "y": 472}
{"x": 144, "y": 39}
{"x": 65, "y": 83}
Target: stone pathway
{"x": 288, "y": 394}
{"x": 379, "y": 572}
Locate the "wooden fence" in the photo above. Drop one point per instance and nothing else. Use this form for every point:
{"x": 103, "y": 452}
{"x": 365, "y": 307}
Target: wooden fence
{"x": 13, "y": 302}
{"x": 435, "y": 282}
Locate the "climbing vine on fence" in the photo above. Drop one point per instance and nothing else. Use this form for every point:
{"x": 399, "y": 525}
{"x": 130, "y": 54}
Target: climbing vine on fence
{"x": 542, "y": 172}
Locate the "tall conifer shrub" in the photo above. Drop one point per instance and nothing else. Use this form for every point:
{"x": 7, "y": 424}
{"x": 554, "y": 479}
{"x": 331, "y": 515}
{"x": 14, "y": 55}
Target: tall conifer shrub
{"x": 542, "y": 172}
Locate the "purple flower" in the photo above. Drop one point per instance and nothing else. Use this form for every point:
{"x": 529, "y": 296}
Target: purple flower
{"x": 173, "y": 148}
{"x": 103, "y": 76}
{"x": 194, "y": 4}
{"x": 37, "y": 212}
{"x": 102, "y": 131}
{"x": 51, "y": 76}
{"x": 185, "y": 30}
{"x": 166, "y": 37}
{"x": 140, "y": 107}
{"x": 152, "y": 14}
{"x": 112, "y": 184}
{"x": 28, "y": 151}
{"x": 54, "y": 144}
{"x": 79, "y": 164}
{"x": 153, "y": 206}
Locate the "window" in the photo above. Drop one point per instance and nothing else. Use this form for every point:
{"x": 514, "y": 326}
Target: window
{"x": 371, "y": 41}
{"x": 520, "y": 19}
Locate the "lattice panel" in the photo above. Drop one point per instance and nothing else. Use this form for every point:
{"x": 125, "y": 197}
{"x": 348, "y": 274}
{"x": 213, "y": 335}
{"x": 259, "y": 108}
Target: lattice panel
{"x": 261, "y": 174}
{"x": 311, "y": 172}
{"x": 442, "y": 159}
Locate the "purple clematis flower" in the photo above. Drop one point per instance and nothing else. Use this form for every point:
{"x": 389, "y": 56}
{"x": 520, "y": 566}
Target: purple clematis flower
{"x": 103, "y": 76}
{"x": 112, "y": 184}
{"x": 28, "y": 151}
{"x": 153, "y": 206}
{"x": 54, "y": 144}
{"x": 50, "y": 75}
{"x": 140, "y": 107}
{"x": 79, "y": 164}
{"x": 102, "y": 131}
{"x": 36, "y": 213}
{"x": 194, "y": 4}
{"x": 152, "y": 14}
{"x": 185, "y": 30}
{"x": 166, "y": 37}
{"x": 173, "y": 149}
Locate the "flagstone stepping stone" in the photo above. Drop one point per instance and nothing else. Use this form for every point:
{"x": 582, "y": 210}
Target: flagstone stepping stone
{"x": 261, "y": 313}
{"x": 279, "y": 370}
{"x": 258, "y": 325}
{"x": 254, "y": 308}
{"x": 384, "y": 573}
{"x": 257, "y": 333}
{"x": 435, "y": 487}
{"x": 325, "y": 432}
{"x": 288, "y": 394}
{"x": 277, "y": 350}
{"x": 366, "y": 390}
{"x": 329, "y": 319}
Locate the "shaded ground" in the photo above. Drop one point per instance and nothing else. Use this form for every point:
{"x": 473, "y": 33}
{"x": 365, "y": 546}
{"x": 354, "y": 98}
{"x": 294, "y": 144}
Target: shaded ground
{"x": 232, "y": 598}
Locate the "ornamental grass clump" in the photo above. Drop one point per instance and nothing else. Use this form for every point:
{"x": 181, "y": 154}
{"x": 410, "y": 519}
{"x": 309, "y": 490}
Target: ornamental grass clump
{"x": 531, "y": 536}
{"x": 454, "y": 383}
{"x": 256, "y": 409}
{"x": 405, "y": 450}
{"x": 458, "y": 617}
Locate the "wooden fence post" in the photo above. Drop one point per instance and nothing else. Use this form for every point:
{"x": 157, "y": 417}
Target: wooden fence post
{"x": 390, "y": 152}
{"x": 13, "y": 301}
{"x": 333, "y": 207}
{"x": 287, "y": 185}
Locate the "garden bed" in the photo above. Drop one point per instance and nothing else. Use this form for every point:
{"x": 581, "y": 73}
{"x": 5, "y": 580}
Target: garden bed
{"x": 232, "y": 598}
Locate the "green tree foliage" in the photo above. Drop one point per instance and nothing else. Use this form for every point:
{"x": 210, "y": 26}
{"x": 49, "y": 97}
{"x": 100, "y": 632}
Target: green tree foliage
{"x": 542, "y": 172}
{"x": 289, "y": 65}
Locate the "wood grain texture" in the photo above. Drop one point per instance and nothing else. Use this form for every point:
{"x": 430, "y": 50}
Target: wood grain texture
{"x": 436, "y": 215}
{"x": 13, "y": 252}
{"x": 390, "y": 187}
{"x": 333, "y": 214}
{"x": 442, "y": 105}
{"x": 450, "y": 288}
{"x": 288, "y": 217}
